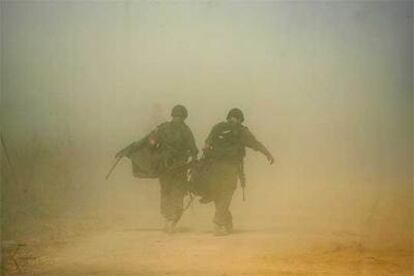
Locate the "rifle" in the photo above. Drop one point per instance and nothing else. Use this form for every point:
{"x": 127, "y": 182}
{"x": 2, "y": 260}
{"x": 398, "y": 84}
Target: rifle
{"x": 113, "y": 167}
{"x": 242, "y": 178}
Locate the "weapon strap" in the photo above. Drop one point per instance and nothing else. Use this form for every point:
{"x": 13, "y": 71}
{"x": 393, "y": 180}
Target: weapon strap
{"x": 242, "y": 176}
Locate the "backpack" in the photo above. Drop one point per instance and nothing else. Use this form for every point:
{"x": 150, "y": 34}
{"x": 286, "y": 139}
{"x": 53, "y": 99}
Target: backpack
{"x": 226, "y": 142}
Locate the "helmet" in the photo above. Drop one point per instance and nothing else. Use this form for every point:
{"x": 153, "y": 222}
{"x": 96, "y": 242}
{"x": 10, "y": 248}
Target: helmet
{"x": 179, "y": 111}
{"x": 235, "y": 113}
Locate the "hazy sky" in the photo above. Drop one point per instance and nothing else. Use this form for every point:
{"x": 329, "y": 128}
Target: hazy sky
{"x": 326, "y": 85}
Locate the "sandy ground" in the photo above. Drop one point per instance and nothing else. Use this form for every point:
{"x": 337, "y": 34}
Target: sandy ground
{"x": 139, "y": 251}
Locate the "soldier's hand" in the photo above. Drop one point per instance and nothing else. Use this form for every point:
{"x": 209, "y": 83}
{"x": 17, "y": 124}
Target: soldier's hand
{"x": 270, "y": 159}
{"x": 120, "y": 154}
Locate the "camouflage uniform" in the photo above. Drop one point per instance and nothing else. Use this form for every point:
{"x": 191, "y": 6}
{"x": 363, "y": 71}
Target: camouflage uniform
{"x": 225, "y": 168}
{"x": 164, "y": 154}
{"x": 177, "y": 145}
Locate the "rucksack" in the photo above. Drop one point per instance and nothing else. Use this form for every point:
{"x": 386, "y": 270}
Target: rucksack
{"x": 226, "y": 142}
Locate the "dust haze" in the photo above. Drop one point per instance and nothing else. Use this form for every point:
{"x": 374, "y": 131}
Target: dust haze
{"x": 326, "y": 86}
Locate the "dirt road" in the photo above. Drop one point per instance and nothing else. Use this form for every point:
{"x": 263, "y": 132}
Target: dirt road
{"x": 141, "y": 251}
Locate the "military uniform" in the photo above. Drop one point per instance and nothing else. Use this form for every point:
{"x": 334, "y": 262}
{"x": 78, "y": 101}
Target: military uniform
{"x": 226, "y": 165}
{"x": 162, "y": 154}
{"x": 177, "y": 145}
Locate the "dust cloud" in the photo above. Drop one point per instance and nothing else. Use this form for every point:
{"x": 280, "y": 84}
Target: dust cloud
{"x": 326, "y": 86}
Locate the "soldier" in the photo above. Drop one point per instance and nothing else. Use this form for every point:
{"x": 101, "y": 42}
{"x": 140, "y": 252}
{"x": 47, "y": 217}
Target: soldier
{"x": 225, "y": 147}
{"x": 176, "y": 144}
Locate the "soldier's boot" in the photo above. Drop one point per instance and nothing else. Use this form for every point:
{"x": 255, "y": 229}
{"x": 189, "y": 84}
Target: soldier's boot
{"x": 229, "y": 227}
{"x": 173, "y": 226}
{"x": 169, "y": 226}
{"x": 219, "y": 230}
{"x": 166, "y": 227}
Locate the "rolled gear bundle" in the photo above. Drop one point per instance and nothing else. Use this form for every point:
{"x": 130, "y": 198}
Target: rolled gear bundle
{"x": 146, "y": 158}
{"x": 200, "y": 177}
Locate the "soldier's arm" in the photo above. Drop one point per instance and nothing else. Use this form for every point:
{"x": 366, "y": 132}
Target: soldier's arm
{"x": 250, "y": 141}
{"x": 209, "y": 140}
{"x": 151, "y": 138}
{"x": 131, "y": 148}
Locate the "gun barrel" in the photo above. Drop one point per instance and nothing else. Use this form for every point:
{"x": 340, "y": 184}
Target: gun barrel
{"x": 113, "y": 167}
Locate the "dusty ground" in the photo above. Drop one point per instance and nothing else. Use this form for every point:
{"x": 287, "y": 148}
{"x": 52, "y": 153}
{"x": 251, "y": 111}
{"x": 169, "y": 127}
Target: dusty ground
{"x": 139, "y": 251}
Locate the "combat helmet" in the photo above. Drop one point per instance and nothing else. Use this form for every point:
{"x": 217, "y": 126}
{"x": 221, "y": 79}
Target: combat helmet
{"x": 179, "y": 111}
{"x": 235, "y": 113}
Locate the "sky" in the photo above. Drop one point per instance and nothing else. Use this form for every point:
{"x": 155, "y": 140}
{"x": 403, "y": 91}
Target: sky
{"x": 326, "y": 86}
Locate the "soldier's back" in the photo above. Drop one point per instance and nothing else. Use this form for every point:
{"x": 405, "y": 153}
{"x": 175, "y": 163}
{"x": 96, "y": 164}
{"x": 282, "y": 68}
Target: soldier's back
{"x": 225, "y": 141}
{"x": 173, "y": 134}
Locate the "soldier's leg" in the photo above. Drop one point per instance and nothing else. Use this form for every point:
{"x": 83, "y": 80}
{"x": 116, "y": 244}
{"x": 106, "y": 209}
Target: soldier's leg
{"x": 165, "y": 183}
{"x": 172, "y": 199}
{"x": 226, "y": 182}
{"x": 222, "y": 216}
{"x": 177, "y": 200}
